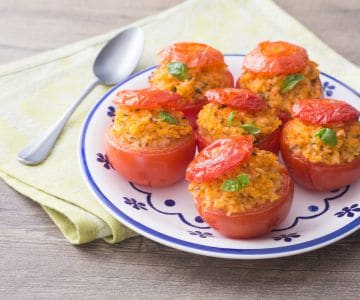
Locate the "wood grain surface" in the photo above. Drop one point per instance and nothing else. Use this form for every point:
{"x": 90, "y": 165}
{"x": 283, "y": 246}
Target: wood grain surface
{"x": 37, "y": 262}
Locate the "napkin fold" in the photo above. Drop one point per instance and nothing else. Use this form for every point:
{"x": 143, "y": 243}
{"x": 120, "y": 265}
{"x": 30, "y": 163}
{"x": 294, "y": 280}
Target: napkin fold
{"x": 35, "y": 91}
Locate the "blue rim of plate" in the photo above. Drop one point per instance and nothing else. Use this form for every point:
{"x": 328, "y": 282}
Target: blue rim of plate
{"x": 198, "y": 248}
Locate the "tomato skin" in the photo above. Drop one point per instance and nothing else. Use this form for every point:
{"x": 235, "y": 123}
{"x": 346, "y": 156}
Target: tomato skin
{"x": 324, "y": 111}
{"x": 276, "y": 58}
{"x": 191, "y": 54}
{"x": 230, "y": 79}
{"x": 317, "y": 176}
{"x": 284, "y": 117}
{"x": 149, "y": 98}
{"x": 219, "y": 157}
{"x": 150, "y": 168}
{"x": 253, "y": 223}
{"x": 242, "y": 99}
{"x": 269, "y": 143}
{"x": 191, "y": 111}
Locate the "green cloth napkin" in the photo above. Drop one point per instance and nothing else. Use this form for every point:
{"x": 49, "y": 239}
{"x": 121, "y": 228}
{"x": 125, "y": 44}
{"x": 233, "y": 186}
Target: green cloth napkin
{"x": 34, "y": 92}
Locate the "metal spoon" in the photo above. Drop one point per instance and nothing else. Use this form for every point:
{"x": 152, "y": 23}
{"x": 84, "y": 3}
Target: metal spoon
{"x": 116, "y": 61}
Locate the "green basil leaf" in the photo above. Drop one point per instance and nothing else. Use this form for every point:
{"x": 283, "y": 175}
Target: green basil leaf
{"x": 234, "y": 185}
{"x": 231, "y": 118}
{"x": 230, "y": 185}
{"x": 290, "y": 82}
{"x": 327, "y": 135}
{"x": 178, "y": 70}
{"x": 250, "y": 128}
{"x": 164, "y": 116}
{"x": 243, "y": 180}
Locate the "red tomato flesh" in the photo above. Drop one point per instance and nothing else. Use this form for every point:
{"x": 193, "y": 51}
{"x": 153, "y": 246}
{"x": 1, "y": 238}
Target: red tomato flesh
{"x": 218, "y": 158}
{"x": 276, "y": 58}
{"x": 149, "y": 98}
{"x": 255, "y": 222}
{"x": 242, "y": 99}
{"x": 156, "y": 168}
{"x": 191, "y": 54}
{"x": 324, "y": 111}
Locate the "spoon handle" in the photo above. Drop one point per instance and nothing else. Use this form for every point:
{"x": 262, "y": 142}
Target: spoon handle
{"x": 39, "y": 150}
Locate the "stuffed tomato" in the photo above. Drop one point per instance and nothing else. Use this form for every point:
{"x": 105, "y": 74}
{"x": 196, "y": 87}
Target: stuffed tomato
{"x": 150, "y": 143}
{"x": 321, "y": 145}
{"x": 190, "y": 69}
{"x": 240, "y": 191}
{"x": 282, "y": 73}
{"x": 236, "y": 112}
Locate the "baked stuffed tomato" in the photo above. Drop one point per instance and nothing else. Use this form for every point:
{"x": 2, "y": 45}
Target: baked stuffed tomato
{"x": 240, "y": 191}
{"x": 236, "y": 112}
{"x": 150, "y": 143}
{"x": 321, "y": 145}
{"x": 190, "y": 69}
{"x": 282, "y": 73}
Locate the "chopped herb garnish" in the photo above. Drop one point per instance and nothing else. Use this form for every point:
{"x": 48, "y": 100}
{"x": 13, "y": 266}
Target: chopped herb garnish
{"x": 327, "y": 135}
{"x": 178, "y": 70}
{"x": 166, "y": 117}
{"x": 250, "y": 128}
{"x": 231, "y": 118}
{"x": 290, "y": 82}
{"x": 236, "y": 184}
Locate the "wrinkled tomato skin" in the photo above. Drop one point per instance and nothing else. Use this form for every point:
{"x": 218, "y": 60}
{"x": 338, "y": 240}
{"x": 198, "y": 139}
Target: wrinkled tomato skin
{"x": 253, "y": 223}
{"x": 191, "y": 54}
{"x": 150, "y": 168}
{"x": 219, "y": 157}
{"x": 267, "y": 59}
{"x": 149, "y": 98}
{"x": 324, "y": 111}
{"x": 317, "y": 176}
{"x": 242, "y": 99}
{"x": 269, "y": 143}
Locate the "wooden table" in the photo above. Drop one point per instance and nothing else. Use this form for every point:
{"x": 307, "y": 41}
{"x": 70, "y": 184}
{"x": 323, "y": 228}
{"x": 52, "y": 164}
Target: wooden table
{"x": 35, "y": 259}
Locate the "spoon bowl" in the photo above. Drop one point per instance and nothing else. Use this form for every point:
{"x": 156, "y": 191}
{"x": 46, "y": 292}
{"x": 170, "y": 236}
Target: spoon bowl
{"x": 115, "y": 62}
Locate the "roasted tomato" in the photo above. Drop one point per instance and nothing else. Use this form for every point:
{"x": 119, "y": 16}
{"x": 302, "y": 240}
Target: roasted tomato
{"x": 276, "y": 58}
{"x": 324, "y": 111}
{"x": 320, "y": 176}
{"x": 191, "y": 54}
{"x": 150, "y": 166}
{"x": 252, "y": 223}
{"x": 238, "y": 98}
{"x": 243, "y": 100}
{"x": 149, "y": 98}
{"x": 221, "y": 157}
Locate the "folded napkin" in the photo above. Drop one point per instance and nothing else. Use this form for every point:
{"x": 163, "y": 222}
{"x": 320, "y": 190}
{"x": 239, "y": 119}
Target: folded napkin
{"x": 34, "y": 92}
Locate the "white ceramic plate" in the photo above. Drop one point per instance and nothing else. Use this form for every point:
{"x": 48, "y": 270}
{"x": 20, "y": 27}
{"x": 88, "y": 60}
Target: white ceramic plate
{"x": 168, "y": 216}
